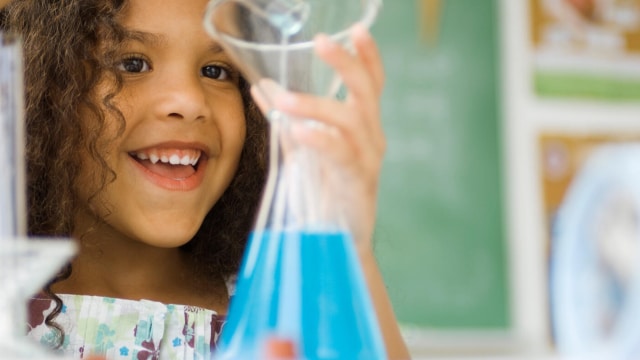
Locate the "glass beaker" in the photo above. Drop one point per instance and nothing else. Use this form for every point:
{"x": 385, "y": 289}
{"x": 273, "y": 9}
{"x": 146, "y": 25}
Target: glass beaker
{"x": 25, "y": 264}
{"x": 12, "y": 179}
{"x": 300, "y": 278}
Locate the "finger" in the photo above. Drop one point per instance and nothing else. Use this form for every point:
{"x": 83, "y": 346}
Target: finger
{"x": 353, "y": 175}
{"x": 369, "y": 53}
{"x": 333, "y": 114}
{"x": 352, "y": 71}
{"x": 260, "y": 99}
{"x": 263, "y": 91}
{"x": 330, "y": 112}
{"x": 307, "y": 106}
{"x": 333, "y": 145}
{"x": 355, "y": 170}
{"x": 360, "y": 78}
{"x": 348, "y": 117}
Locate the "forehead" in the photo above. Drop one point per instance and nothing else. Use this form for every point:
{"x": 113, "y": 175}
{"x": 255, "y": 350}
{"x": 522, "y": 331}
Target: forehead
{"x": 164, "y": 16}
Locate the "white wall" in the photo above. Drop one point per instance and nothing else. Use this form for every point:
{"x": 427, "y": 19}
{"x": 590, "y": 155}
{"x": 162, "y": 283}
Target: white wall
{"x": 524, "y": 118}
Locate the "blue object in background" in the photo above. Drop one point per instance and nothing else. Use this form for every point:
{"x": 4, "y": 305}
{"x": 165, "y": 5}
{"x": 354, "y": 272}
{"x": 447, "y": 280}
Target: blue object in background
{"x": 594, "y": 267}
{"x": 306, "y": 287}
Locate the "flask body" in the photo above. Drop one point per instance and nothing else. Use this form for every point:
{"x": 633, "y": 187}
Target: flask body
{"x": 307, "y": 287}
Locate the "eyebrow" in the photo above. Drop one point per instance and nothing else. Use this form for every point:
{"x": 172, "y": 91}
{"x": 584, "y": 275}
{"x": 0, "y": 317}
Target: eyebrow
{"x": 145, "y": 37}
{"x": 158, "y": 40}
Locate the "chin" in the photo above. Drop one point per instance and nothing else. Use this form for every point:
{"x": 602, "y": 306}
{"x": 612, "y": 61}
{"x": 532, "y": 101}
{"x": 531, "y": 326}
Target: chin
{"x": 168, "y": 237}
{"x": 167, "y": 243}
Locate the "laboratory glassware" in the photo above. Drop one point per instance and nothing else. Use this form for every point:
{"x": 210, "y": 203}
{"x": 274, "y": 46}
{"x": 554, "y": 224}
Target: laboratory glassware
{"x": 300, "y": 279}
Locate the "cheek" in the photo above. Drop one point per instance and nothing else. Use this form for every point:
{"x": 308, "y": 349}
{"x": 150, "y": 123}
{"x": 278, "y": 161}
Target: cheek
{"x": 234, "y": 127}
{"x": 96, "y": 161}
{"x": 240, "y": 134}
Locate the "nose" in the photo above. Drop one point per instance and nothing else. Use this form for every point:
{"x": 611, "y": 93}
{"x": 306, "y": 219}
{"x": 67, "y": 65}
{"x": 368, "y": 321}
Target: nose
{"x": 182, "y": 96}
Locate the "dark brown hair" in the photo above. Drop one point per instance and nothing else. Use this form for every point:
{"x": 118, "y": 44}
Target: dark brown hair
{"x": 69, "y": 46}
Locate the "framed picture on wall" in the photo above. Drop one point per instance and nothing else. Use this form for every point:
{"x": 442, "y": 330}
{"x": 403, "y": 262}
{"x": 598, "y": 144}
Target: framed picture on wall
{"x": 572, "y": 83}
{"x": 592, "y": 202}
{"x": 562, "y": 156}
{"x": 593, "y": 223}
{"x": 586, "y": 49}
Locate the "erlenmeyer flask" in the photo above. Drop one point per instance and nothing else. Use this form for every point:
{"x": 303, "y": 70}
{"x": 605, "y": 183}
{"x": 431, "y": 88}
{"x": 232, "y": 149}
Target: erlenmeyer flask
{"x": 25, "y": 264}
{"x": 300, "y": 278}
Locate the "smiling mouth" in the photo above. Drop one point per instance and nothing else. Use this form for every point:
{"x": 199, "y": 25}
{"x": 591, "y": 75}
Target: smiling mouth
{"x": 175, "y": 164}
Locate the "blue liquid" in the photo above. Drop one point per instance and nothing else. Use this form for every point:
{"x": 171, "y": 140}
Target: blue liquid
{"x": 305, "y": 287}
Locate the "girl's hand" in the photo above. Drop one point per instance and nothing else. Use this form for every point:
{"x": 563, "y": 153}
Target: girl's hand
{"x": 354, "y": 143}
{"x": 353, "y": 139}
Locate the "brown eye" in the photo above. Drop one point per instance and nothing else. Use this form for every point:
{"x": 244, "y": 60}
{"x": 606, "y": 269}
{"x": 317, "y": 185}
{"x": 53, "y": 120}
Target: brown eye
{"x": 134, "y": 65}
{"x": 215, "y": 72}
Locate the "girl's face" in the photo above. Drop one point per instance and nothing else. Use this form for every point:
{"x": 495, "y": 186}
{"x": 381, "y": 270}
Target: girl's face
{"x": 184, "y": 133}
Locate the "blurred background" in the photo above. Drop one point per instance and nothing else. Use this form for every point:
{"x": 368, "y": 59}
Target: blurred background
{"x": 491, "y": 109}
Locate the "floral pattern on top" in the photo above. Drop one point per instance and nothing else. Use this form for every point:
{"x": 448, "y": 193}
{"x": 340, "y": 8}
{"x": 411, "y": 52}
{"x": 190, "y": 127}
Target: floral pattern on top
{"x": 126, "y": 329}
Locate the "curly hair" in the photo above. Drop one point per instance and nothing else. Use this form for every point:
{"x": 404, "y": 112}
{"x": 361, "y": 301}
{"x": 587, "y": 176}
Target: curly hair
{"x": 69, "y": 46}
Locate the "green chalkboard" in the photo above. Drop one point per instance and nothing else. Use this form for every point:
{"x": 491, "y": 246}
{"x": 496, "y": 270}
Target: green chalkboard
{"x": 440, "y": 237}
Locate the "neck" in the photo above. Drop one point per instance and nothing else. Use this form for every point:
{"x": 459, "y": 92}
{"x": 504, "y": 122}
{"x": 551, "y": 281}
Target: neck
{"x": 109, "y": 264}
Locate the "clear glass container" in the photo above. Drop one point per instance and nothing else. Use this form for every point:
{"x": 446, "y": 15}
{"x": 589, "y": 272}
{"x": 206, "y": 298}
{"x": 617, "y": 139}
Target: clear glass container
{"x": 26, "y": 265}
{"x": 300, "y": 280}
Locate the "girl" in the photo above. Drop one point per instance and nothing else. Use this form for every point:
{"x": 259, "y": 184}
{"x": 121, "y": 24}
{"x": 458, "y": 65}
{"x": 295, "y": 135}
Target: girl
{"x": 145, "y": 146}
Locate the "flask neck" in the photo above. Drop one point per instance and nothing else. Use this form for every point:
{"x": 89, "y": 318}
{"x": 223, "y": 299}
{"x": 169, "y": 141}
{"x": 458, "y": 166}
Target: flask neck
{"x": 303, "y": 186}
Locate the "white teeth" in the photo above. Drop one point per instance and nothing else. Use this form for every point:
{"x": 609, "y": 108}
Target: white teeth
{"x": 174, "y": 159}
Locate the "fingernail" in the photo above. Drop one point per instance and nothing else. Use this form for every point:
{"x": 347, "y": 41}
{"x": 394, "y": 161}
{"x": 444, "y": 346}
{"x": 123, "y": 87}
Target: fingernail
{"x": 359, "y": 30}
{"x": 259, "y": 97}
{"x": 285, "y": 100}
{"x": 324, "y": 42}
{"x": 299, "y": 128}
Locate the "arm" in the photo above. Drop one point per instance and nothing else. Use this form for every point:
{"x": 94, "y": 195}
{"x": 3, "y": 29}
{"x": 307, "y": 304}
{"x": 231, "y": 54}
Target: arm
{"x": 396, "y": 347}
{"x": 353, "y": 141}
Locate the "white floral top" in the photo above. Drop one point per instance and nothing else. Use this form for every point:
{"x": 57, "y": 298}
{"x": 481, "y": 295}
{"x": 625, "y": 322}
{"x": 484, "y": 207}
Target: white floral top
{"x": 126, "y": 329}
